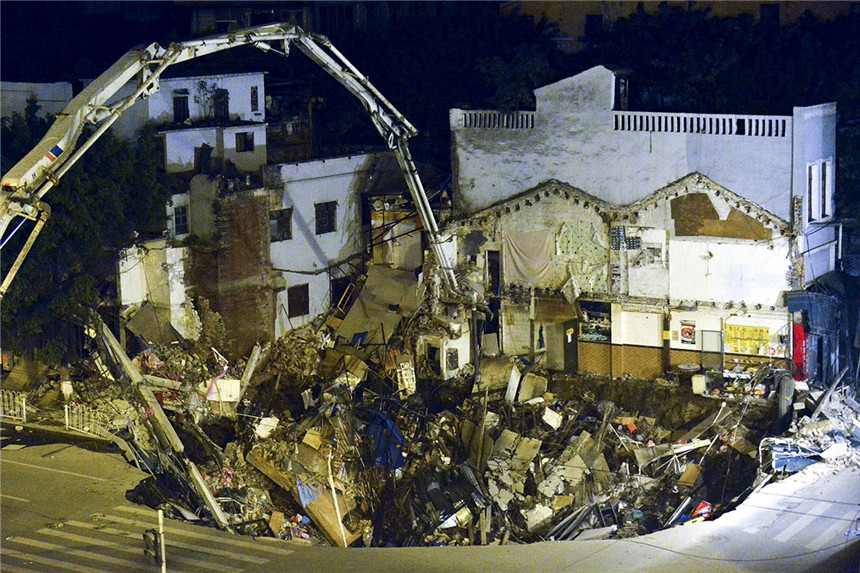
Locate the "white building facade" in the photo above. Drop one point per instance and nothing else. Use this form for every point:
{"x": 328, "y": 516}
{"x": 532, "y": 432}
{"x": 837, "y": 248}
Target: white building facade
{"x": 315, "y": 217}
{"x": 632, "y": 243}
{"x": 581, "y": 134}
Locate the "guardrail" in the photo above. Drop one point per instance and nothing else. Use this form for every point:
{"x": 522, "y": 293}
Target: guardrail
{"x": 707, "y": 124}
{"x": 13, "y": 406}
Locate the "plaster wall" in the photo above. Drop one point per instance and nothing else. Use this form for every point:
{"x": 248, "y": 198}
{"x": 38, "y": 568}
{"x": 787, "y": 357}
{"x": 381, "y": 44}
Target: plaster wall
{"x": 156, "y": 273}
{"x": 180, "y": 145}
{"x": 574, "y": 139}
{"x": 237, "y": 85}
{"x": 300, "y": 186}
{"x": 707, "y": 270}
{"x": 579, "y": 237}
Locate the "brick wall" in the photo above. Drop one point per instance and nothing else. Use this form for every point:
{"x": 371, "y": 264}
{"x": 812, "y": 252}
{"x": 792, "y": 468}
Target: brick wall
{"x": 245, "y": 297}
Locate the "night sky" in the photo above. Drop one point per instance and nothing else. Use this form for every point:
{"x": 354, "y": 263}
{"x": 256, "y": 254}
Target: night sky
{"x": 65, "y": 41}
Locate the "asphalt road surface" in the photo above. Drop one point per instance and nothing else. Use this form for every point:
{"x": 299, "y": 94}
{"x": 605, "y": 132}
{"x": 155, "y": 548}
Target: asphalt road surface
{"x": 64, "y": 509}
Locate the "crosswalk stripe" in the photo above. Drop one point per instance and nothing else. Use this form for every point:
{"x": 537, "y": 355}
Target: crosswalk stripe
{"x": 221, "y": 538}
{"x": 16, "y": 569}
{"x": 839, "y": 527}
{"x": 138, "y": 550}
{"x": 797, "y": 525}
{"x": 80, "y": 553}
{"x": 170, "y": 541}
{"x": 48, "y": 561}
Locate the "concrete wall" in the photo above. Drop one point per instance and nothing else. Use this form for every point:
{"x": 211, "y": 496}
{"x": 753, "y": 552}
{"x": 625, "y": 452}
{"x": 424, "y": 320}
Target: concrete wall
{"x": 690, "y": 245}
{"x": 199, "y": 92}
{"x": 815, "y": 144}
{"x": 180, "y": 145}
{"x": 156, "y": 273}
{"x": 620, "y": 157}
{"x": 52, "y": 97}
{"x": 300, "y": 186}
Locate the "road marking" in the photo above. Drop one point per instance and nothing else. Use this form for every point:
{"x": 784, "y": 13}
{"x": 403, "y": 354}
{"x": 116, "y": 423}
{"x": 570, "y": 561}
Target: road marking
{"x": 48, "y": 561}
{"x": 54, "y": 470}
{"x": 15, "y": 498}
{"x": 16, "y": 569}
{"x": 797, "y": 526}
{"x": 839, "y": 528}
{"x": 125, "y": 563}
{"x": 137, "y": 549}
{"x": 171, "y": 542}
{"x": 220, "y": 539}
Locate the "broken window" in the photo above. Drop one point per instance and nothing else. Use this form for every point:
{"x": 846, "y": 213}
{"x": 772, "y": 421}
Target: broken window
{"x": 281, "y": 225}
{"x": 180, "y": 106}
{"x": 452, "y": 359}
{"x": 222, "y": 104}
{"x": 298, "y": 301}
{"x": 180, "y": 220}
{"x": 326, "y": 216}
{"x": 255, "y": 99}
{"x": 244, "y": 141}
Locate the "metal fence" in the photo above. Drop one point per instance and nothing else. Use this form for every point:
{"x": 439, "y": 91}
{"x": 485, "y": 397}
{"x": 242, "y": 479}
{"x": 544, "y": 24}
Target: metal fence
{"x": 13, "y": 406}
{"x": 88, "y": 421}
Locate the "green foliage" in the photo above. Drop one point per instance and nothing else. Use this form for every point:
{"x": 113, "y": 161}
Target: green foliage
{"x": 114, "y": 195}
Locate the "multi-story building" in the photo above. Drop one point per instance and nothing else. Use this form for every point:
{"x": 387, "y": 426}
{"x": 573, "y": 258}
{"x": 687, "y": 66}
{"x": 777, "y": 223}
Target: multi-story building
{"x": 631, "y": 242}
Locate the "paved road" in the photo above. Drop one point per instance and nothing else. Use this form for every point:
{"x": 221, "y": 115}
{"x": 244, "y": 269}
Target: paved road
{"x": 63, "y": 509}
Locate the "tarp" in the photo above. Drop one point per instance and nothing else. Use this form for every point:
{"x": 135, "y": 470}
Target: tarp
{"x": 527, "y": 256}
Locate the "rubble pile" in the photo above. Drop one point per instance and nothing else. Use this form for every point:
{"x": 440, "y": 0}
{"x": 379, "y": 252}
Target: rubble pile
{"x": 831, "y": 433}
{"x": 350, "y": 437}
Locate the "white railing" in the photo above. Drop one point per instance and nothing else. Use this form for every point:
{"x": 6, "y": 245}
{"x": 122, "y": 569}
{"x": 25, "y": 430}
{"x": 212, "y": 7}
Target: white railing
{"x": 485, "y": 119}
{"x": 13, "y": 406}
{"x": 88, "y": 421}
{"x": 706, "y": 124}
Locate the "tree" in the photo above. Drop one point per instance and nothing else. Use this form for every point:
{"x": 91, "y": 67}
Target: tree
{"x": 113, "y": 196}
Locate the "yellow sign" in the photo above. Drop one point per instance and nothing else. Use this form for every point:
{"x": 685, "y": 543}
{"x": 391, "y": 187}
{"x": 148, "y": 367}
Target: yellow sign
{"x": 747, "y": 339}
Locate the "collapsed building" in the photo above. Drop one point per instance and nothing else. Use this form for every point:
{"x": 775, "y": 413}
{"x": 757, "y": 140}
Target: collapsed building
{"x": 612, "y": 365}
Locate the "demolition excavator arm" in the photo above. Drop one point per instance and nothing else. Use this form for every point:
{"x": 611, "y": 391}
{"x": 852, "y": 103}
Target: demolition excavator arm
{"x": 27, "y": 182}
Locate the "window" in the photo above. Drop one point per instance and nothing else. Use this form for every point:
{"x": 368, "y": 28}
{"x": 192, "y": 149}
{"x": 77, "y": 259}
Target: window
{"x": 222, "y": 104}
{"x": 298, "y": 301}
{"x": 819, "y": 190}
{"x": 180, "y": 106}
{"x": 244, "y": 141}
{"x": 281, "y": 225}
{"x": 180, "y": 220}
{"x": 255, "y": 99}
{"x": 826, "y": 191}
{"x": 326, "y": 215}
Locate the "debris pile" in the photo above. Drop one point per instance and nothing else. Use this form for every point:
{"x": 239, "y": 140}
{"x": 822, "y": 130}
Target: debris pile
{"x": 385, "y": 426}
